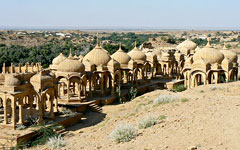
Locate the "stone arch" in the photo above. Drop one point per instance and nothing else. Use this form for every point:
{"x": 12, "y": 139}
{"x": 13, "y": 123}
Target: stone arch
{"x": 198, "y": 78}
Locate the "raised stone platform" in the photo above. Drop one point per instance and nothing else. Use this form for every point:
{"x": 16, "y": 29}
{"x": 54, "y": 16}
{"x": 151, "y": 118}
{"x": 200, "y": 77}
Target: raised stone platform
{"x": 11, "y": 138}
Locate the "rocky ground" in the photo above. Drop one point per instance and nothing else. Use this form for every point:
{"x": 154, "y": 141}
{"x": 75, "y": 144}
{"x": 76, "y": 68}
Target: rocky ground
{"x": 207, "y": 118}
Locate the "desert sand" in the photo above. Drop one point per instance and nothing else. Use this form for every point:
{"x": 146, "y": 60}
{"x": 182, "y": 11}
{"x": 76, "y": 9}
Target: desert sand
{"x": 208, "y": 119}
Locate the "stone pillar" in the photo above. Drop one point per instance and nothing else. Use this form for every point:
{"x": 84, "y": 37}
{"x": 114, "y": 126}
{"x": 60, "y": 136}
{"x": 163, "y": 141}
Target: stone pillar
{"x": 85, "y": 91}
{"x": 14, "y": 112}
{"x": 79, "y": 91}
{"x": 4, "y": 68}
{"x": 216, "y": 77}
{"x": 41, "y": 105}
{"x": 11, "y": 68}
{"x": 73, "y": 88}
{"x": 30, "y": 101}
{"x": 59, "y": 90}
{"x": 113, "y": 89}
{"x": 5, "y": 110}
{"x": 20, "y": 121}
{"x": 37, "y": 102}
{"x": 51, "y": 106}
{"x": 189, "y": 80}
{"x": 68, "y": 90}
{"x": 102, "y": 84}
{"x": 19, "y": 68}
{"x": 56, "y": 105}
{"x": 90, "y": 88}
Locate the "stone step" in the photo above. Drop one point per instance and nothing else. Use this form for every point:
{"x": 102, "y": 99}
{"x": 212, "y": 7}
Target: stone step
{"x": 95, "y": 108}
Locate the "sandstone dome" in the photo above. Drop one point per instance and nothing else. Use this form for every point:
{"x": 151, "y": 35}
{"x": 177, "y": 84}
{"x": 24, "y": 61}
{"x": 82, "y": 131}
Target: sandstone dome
{"x": 136, "y": 54}
{"x": 98, "y": 56}
{"x": 38, "y": 76}
{"x": 57, "y": 60}
{"x": 11, "y": 80}
{"x": 229, "y": 54}
{"x": 209, "y": 54}
{"x": 70, "y": 65}
{"x": 187, "y": 45}
{"x": 122, "y": 57}
{"x": 113, "y": 63}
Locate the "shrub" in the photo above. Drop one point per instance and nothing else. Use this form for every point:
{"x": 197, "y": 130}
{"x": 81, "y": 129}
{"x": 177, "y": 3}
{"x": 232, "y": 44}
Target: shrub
{"x": 163, "y": 99}
{"x": 119, "y": 97}
{"x": 132, "y": 93}
{"x": 56, "y": 142}
{"x": 147, "y": 122}
{"x": 20, "y": 127}
{"x": 184, "y": 100}
{"x": 213, "y": 88}
{"x": 66, "y": 111}
{"x": 162, "y": 117}
{"x": 123, "y": 133}
{"x": 179, "y": 88}
{"x": 44, "y": 133}
{"x": 32, "y": 120}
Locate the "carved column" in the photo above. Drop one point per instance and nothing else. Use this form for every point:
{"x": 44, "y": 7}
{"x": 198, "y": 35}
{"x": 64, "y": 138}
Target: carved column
{"x": 79, "y": 91}
{"x": 5, "y": 110}
{"x": 102, "y": 84}
{"x": 90, "y": 88}
{"x": 14, "y": 112}
{"x": 68, "y": 89}
{"x": 20, "y": 111}
{"x": 51, "y": 106}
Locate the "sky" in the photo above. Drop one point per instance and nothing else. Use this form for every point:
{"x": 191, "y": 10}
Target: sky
{"x": 176, "y": 14}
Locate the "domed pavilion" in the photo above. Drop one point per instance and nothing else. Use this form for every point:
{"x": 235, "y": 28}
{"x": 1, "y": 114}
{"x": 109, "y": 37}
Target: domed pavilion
{"x": 210, "y": 65}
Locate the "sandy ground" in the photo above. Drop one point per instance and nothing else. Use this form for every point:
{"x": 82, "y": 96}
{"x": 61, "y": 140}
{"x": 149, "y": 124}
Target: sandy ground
{"x": 208, "y": 120}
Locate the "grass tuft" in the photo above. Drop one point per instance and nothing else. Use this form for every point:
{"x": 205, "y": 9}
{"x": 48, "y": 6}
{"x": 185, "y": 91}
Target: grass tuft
{"x": 184, "y": 100}
{"x": 56, "y": 142}
{"x": 147, "y": 122}
{"x": 123, "y": 133}
{"x": 163, "y": 99}
{"x": 179, "y": 88}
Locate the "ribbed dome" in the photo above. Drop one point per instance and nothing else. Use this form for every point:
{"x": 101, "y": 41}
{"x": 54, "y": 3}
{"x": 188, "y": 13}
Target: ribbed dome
{"x": 60, "y": 58}
{"x": 98, "y": 56}
{"x": 229, "y": 54}
{"x": 121, "y": 57}
{"x": 187, "y": 45}
{"x": 69, "y": 65}
{"x": 11, "y": 80}
{"x": 137, "y": 55}
{"x": 38, "y": 76}
{"x": 113, "y": 63}
{"x": 209, "y": 54}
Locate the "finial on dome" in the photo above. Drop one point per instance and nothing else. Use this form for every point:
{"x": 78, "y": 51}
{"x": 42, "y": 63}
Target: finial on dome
{"x": 70, "y": 53}
{"x": 135, "y": 43}
{"x": 224, "y": 46}
{"x": 120, "y": 46}
{"x": 209, "y": 42}
{"x": 97, "y": 41}
{"x": 187, "y": 36}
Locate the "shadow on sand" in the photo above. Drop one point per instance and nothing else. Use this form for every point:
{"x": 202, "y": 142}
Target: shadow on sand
{"x": 88, "y": 119}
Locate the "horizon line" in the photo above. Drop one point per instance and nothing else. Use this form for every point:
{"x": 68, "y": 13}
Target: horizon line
{"x": 127, "y": 28}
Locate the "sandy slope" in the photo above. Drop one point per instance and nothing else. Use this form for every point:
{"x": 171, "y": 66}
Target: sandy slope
{"x": 209, "y": 120}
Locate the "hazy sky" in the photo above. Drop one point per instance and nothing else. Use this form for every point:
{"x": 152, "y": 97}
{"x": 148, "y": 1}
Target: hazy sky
{"x": 121, "y": 13}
